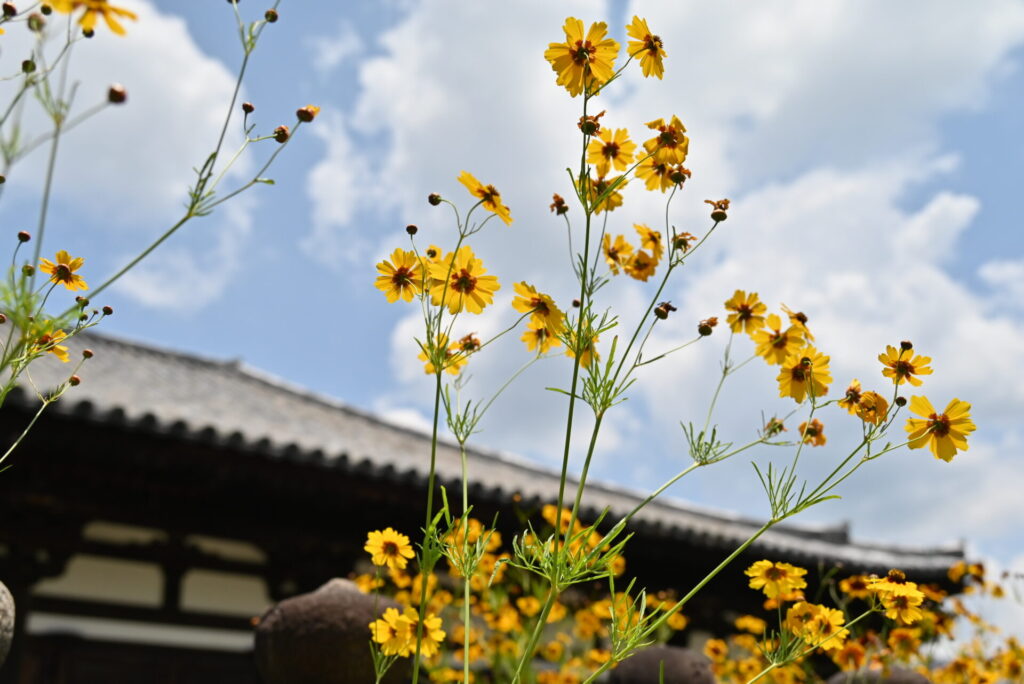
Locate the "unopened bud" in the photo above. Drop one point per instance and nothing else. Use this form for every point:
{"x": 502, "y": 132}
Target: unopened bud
{"x": 411, "y": 229}
{"x": 576, "y": 303}
{"x": 88, "y": 33}
{"x": 74, "y": 381}
{"x": 108, "y": 311}
{"x": 707, "y": 326}
{"x": 3, "y": 319}
{"x": 3, "y": 179}
{"x": 906, "y": 345}
{"x": 36, "y": 22}
{"x": 28, "y": 269}
{"x": 46, "y": 9}
{"x": 281, "y": 134}
{"x": 87, "y": 353}
{"x": 117, "y": 94}
{"x": 9, "y": 9}
{"x": 82, "y": 301}
{"x": 28, "y": 66}
{"x": 663, "y": 309}
{"x": 901, "y": 401}
{"x": 24, "y": 236}
{"x": 434, "y": 199}
{"x": 307, "y": 113}
{"x": 84, "y": 317}
{"x": 248, "y": 107}
{"x": 270, "y": 15}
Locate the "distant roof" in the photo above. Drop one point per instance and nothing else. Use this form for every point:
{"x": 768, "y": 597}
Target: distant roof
{"x": 226, "y": 401}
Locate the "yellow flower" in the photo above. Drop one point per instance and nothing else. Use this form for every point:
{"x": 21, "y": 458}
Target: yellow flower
{"x": 851, "y": 400}
{"x": 650, "y": 240}
{"x": 655, "y": 174}
{"x": 648, "y": 46}
{"x": 850, "y": 657}
{"x": 872, "y": 408}
{"x": 64, "y": 270}
{"x": 813, "y": 434}
{"x": 798, "y": 319}
{"x": 855, "y": 586}
{"x": 461, "y": 282}
{"x": 901, "y": 365}
{"x": 588, "y": 352}
{"x": 716, "y": 650}
{"x": 611, "y": 150}
{"x": 50, "y": 342}
{"x": 747, "y": 312}
{"x": 94, "y": 8}
{"x": 899, "y": 596}
{"x": 616, "y": 253}
{"x": 640, "y": 266}
{"x": 543, "y": 308}
{"x": 944, "y": 432}
{"x": 488, "y": 195}
{"x": 537, "y": 336}
{"x": 750, "y": 623}
{"x": 775, "y": 578}
{"x": 394, "y": 634}
{"x": 677, "y": 621}
{"x": 671, "y": 145}
{"x": 775, "y": 344}
{"x": 389, "y": 548}
{"x": 581, "y": 62}
{"x": 528, "y": 605}
{"x": 805, "y": 372}
{"x": 453, "y": 361}
{"x": 402, "y": 277}
{"x": 595, "y": 188}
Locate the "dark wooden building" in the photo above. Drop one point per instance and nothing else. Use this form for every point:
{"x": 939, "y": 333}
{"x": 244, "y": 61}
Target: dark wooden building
{"x": 169, "y": 498}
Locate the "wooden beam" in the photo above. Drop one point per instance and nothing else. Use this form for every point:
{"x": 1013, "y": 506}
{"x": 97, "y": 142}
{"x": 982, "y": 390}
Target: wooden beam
{"x": 114, "y": 611}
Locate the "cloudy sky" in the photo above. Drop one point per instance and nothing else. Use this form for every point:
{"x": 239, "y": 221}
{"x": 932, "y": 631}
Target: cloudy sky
{"x": 873, "y": 152}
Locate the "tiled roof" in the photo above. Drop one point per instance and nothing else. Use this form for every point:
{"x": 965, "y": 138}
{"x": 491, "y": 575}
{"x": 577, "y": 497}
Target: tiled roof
{"x": 228, "y": 402}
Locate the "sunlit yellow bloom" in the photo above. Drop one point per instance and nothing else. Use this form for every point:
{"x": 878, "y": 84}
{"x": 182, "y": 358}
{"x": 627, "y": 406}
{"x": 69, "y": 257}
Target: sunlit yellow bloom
{"x": 394, "y": 633}
{"x": 453, "y": 361}
{"x": 850, "y": 657}
{"x": 537, "y": 336}
{"x": 610, "y": 150}
{"x": 583, "y": 61}
{"x": 63, "y": 271}
{"x": 671, "y": 145}
{"x": 750, "y": 623}
{"x": 488, "y": 195}
{"x": 798, "y": 319}
{"x": 901, "y": 365}
{"x": 528, "y": 605}
{"x": 656, "y": 175}
{"x": 775, "y": 578}
{"x": 389, "y": 548}
{"x": 677, "y": 621}
{"x": 640, "y": 266}
{"x": 851, "y": 400}
{"x": 900, "y": 597}
{"x": 855, "y": 586}
{"x": 462, "y": 283}
{"x": 616, "y": 253}
{"x": 904, "y": 642}
{"x": 647, "y": 46}
{"x": 805, "y": 372}
{"x": 775, "y": 344}
{"x": 94, "y": 8}
{"x": 402, "y": 277}
{"x": 826, "y": 629}
{"x": 945, "y": 433}
{"x": 813, "y": 434}
{"x": 650, "y": 240}
{"x": 872, "y": 408}
{"x": 543, "y": 308}
{"x": 433, "y": 635}
{"x": 50, "y": 342}
{"x": 747, "y": 312}
{"x": 594, "y": 189}
{"x": 716, "y": 650}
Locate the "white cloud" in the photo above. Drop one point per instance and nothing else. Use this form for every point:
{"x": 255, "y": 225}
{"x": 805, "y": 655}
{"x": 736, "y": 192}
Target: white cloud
{"x": 1006, "y": 278}
{"x": 818, "y": 120}
{"x": 330, "y": 51}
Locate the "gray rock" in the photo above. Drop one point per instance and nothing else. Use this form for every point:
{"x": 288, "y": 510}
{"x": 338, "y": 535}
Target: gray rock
{"x": 322, "y": 637}
{"x": 6, "y": 621}
{"x": 897, "y": 675}
{"x": 682, "y": 666}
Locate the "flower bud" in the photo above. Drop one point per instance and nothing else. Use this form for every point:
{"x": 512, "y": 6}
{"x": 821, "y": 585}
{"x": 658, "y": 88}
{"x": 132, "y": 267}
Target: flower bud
{"x": 117, "y": 94}
{"x": 248, "y": 107}
{"x": 3, "y": 179}
{"x": 576, "y": 303}
{"x": 46, "y": 9}
{"x": 663, "y": 310}
{"x": 307, "y": 113}
{"x": 901, "y": 401}
{"x": 28, "y": 66}
{"x": 24, "y": 236}
{"x": 718, "y": 209}
{"x": 434, "y": 199}
{"x": 88, "y": 33}
{"x": 679, "y": 175}
{"x": 108, "y": 311}
{"x": 87, "y": 353}
{"x": 9, "y": 9}
{"x": 706, "y": 327}
{"x": 590, "y": 125}
{"x": 83, "y": 317}
{"x": 28, "y": 269}
{"x": 906, "y": 345}
{"x": 3, "y": 319}
{"x": 558, "y": 205}
{"x": 36, "y": 22}
{"x": 411, "y": 229}
{"x": 270, "y": 15}
{"x": 74, "y": 381}
{"x": 281, "y": 134}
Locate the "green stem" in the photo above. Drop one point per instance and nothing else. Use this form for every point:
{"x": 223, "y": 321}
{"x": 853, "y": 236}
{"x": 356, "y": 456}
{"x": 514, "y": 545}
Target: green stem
{"x": 24, "y": 433}
{"x": 531, "y": 644}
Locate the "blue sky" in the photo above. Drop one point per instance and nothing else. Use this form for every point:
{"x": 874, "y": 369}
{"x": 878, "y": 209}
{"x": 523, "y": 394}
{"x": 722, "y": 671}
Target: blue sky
{"x": 873, "y": 153}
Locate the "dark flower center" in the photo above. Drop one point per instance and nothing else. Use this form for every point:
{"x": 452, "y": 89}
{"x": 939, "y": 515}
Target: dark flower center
{"x": 583, "y": 52}
{"x": 939, "y": 424}
{"x": 611, "y": 150}
{"x": 402, "y": 276}
{"x": 463, "y": 282}
{"x": 389, "y": 548}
